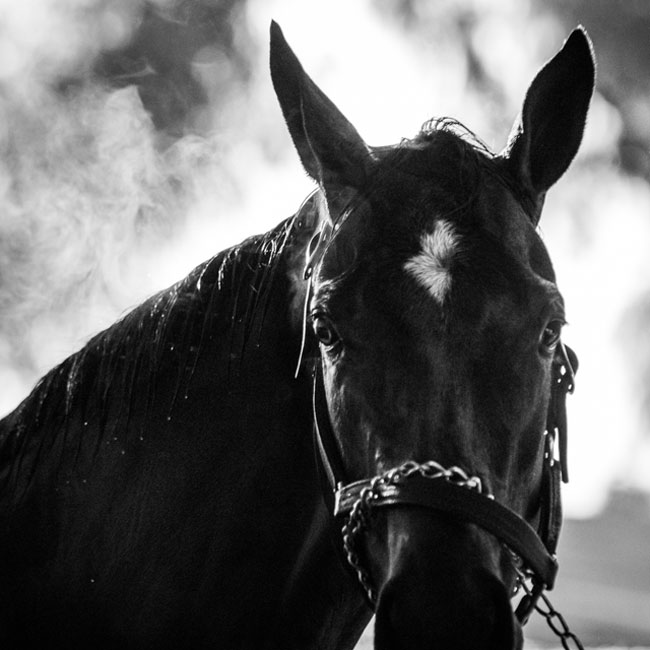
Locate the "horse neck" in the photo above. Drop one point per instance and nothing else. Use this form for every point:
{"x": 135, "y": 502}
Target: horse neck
{"x": 218, "y": 375}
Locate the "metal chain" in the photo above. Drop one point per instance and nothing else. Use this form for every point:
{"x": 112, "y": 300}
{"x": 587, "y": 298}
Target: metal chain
{"x": 359, "y": 516}
{"x": 556, "y": 622}
{"x": 352, "y": 528}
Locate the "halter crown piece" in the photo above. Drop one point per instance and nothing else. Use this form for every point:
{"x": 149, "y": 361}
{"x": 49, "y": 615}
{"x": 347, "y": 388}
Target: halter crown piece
{"x": 451, "y": 490}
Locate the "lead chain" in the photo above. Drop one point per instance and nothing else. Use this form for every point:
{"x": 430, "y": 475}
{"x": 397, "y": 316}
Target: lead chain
{"x": 556, "y": 622}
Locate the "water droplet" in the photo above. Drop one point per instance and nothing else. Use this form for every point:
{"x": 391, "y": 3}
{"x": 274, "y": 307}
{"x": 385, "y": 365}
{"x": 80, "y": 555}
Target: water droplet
{"x": 123, "y": 451}
{"x": 141, "y": 438}
{"x": 86, "y": 423}
{"x": 92, "y": 581}
{"x": 169, "y": 418}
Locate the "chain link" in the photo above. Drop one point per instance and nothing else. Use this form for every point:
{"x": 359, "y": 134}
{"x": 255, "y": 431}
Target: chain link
{"x": 555, "y": 621}
{"x": 360, "y": 514}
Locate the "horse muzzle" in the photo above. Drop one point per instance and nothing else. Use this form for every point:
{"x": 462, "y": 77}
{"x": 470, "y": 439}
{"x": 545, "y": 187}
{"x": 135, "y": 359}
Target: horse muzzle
{"x": 438, "y": 586}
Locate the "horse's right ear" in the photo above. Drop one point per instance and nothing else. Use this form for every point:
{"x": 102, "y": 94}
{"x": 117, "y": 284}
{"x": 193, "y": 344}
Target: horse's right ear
{"x": 331, "y": 150}
{"x": 549, "y": 132}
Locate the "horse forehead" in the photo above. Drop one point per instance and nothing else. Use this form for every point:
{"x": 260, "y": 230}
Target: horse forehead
{"x": 448, "y": 208}
{"x": 515, "y": 250}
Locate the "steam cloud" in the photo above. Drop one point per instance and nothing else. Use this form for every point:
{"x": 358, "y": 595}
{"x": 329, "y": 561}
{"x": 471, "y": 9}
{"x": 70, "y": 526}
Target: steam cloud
{"x": 107, "y": 115}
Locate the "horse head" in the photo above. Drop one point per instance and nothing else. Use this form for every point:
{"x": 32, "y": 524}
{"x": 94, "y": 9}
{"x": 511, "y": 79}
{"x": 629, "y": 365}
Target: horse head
{"x": 437, "y": 315}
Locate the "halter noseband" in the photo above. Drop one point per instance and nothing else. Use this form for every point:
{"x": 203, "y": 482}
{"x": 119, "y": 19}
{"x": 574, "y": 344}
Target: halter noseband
{"x": 451, "y": 490}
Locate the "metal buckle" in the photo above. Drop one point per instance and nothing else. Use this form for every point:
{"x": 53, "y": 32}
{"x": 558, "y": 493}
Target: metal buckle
{"x": 567, "y": 379}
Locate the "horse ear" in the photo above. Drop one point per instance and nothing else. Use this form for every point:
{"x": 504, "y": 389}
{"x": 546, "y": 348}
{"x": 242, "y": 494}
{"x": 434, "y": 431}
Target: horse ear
{"x": 331, "y": 150}
{"x": 549, "y": 130}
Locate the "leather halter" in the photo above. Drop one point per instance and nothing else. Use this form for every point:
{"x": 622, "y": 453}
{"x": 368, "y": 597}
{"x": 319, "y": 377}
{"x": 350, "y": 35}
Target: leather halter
{"x": 535, "y": 548}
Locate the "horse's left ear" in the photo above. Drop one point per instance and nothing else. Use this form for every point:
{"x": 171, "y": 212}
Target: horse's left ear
{"x": 549, "y": 131}
{"x": 330, "y": 148}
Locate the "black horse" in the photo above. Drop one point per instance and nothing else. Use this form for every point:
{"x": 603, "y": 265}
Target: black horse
{"x": 161, "y": 487}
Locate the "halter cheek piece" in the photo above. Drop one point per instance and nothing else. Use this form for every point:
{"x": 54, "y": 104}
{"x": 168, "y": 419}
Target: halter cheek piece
{"x": 450, "y": 490}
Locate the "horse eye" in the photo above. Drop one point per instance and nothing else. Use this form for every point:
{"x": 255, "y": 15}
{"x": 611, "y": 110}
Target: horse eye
{"x": 551, "y": 334}
{"x": 325, "y": 332}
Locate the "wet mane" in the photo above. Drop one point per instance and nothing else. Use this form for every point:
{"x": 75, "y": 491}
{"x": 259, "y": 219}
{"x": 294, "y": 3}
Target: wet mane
{"x": 228, "y": 292}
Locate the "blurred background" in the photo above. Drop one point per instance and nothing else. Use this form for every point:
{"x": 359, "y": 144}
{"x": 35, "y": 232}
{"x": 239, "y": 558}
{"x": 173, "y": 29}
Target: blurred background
{"x": 138, "y": 138}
